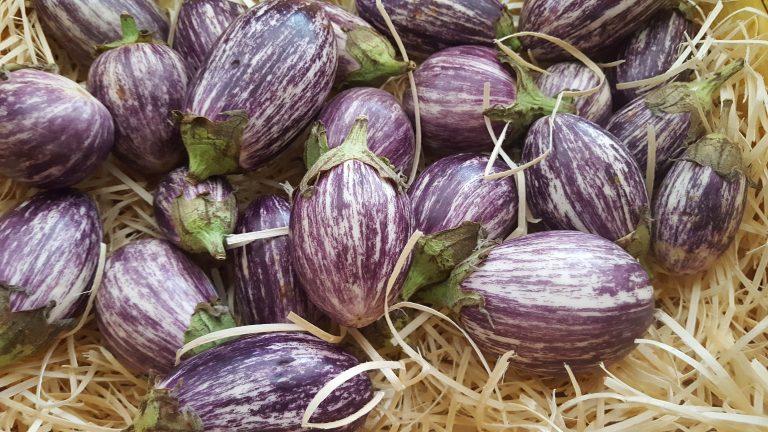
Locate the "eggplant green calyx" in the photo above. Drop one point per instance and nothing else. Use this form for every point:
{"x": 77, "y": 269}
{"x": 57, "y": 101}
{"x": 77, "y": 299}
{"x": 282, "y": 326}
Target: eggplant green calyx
{"x": 131, "y": 35}
{"x": 208, "y": 318}
{"x": 436, "y": 255}
{"x": 160, "y": 412}
{"x": 316, "y": 145}
{"x": 354, "y": 147}
{"x": 204, "y": 222}
{"x": 638, "y": 242}
{"x": 376, "y": 57}
{"x": 719, "y": 153}
{"x": 505, "y": 26}
{"x": 213, "y": 146}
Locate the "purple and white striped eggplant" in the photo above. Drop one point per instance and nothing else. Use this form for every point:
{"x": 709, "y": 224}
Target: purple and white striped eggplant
{"x": 141, "y": 82}
{"x": 390, "y": 133}
{"x": 699, "y": 207}
{"x": 81, "y": 25}
{"x": 49, "y": 250}
{"x": 199, "y": 25}
{"x": 196, "y": 217}
{"x": 589, "y": 181}
{"x": 53, "y": 133}
{"x": 672, "y": 112}
{"x": 287, "y": 50}
{"x": 154, "y": 299}
{"x": 349, "y": 223}
{"x": 266, "y": 288}
{"x": 651, "y": 51}
{"x": 597, "y": 107}
{"x": 428, "y": 26}
{"x": 592, "y": 26}
{"x": 259, "y": 383}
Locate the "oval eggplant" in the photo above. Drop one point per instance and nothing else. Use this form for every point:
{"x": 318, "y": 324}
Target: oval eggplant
{"x": 390, "y": 133}
{"x": 53, "y": 133}
{"x": 261, "y": 383}
{"x": 199, "y": 24}
{"x": 597, "y": 107}
{"x": 233, "y": 124}
{"x": 348, "y": 229}
{"x": 49, "y": 250}
{"x": 81, "y": 25}
{"x": 266, "y": 289}
{"x": 699, "y": 206}
{"x": 154, "y": 299}
{"x": 588, "y": 183}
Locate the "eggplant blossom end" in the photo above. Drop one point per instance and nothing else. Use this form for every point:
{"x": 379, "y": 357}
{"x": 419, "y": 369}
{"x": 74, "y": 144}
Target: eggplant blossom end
{"x": 213, "y": 146}
{"x": 204, "y": 223}
{"x": 376, "y": 57}
{"x": 160, "y": 412}
{"x": 316, "y": 145}
{"x": 208, "y": 318}
{"x": 719, "y": 153}
{"x": 131, "y": 35}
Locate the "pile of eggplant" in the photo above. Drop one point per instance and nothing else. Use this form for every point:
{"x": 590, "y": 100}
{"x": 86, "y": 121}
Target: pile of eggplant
{"x": 237, "y": 86}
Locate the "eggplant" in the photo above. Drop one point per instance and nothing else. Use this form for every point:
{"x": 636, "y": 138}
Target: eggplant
{"x": 428, "y": 26}
{"x": 349, "y": 222}
{"x": 154, "y": 299}
{"x": 49, "y": 251}
{"x": 53, "y": 133}
{"x": 589, "y": 181}
{"x": 597, "y": 107}
{"x": 699, "y": 207}
{"x": 266, "y": 288}
{"x": 672, "y": 111}
{"x": 199, "y": 24}
{"x": 390, "y": 133}
{"x": 592, "y": 26}
{"x": 261, "y": 383}
{"x": 287, "y": 50}
{"x": 81, "y": 25}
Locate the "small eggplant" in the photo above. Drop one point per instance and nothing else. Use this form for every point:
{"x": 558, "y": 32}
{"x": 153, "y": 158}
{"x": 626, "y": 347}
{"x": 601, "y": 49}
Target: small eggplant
{"x": 49, "y": 250}
{"x": 154, "y": 299}
{"x": 53, "y": 133}
{"x": 699, "y": 207}
{"x": 597, "y": 107}
{"x": 199, "y": 24}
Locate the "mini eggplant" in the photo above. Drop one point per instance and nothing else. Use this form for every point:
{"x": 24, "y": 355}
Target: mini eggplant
{"x": 699, "y": 207}
{"x": 196, "y": 217}
{"x": 672, "y": 112}
{"x": 597, "y": 107}
{"x": 53, "y": 133}
{"x": 49, "y": 250}
{"x": 589, "y": 181}
{"x": 390, "y": 133}
{"x": 266, "y": 288}
{"x": 81, "y": 25}
{"x": 428, "y": 26}
{"x": 154, "y": 299}
{"x": 261, "y": 383}
{"x": 199, "y": 24}
{"x": 141, "y": 82}
{"x": 287, "y": 50}
{"x": 349, "y": 223}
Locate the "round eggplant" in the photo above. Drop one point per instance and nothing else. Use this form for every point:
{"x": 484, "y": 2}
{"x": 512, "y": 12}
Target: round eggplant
{"x": 597, "y": 107}
{"x": 199, "y": 24}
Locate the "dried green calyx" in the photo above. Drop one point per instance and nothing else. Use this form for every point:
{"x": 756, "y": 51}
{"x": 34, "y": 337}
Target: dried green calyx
{"x": 161, "y": 412}
{"x": 131, "y": 35}
{"x": 203, "y": 223}
{"x": 505, "y": 26}
{"x": 638, "y": 242}
{"x": 316, "y": 145}
{"x": 376, "y": 57}
{"x": 719, "y": 153}
{"x": 213, "y": 146}
{"x": 208, "y": 318}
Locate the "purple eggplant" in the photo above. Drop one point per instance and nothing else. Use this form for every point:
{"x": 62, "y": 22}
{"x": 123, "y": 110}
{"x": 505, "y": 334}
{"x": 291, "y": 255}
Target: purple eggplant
{"x": 597, "y": 107}
{"x": 49, "y": 250}
{"x": 287, "y": 50}
{"x": 81, "y": 25}
{"x": 141, "y": 82}
{"x": 349, "y": 223}
{"x": 196, "y": 217}
{"x": 589, "y": 181}
{"x": 53, "y": 133}
{"x": 428, "y": 26}
{"x": 261, "y": 383}
{"x": 672, "y": 111}
{"x": 651, "y": 51}
{"x": 199, "y": 24}
{"x": 390, "y": 133}
{"x": 154, "y": 299}
{"x": 592, "y": 26}
{"x": 699, "y": 207}
{"x": 266, "y": 289}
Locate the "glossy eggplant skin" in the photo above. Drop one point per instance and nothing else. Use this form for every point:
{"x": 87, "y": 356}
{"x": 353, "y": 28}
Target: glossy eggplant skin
{"x": 597, "y": 107}
{"x": 199, "y": 25}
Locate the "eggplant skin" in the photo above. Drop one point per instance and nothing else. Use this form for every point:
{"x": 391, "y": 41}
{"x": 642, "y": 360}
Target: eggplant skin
{"x": 53, "y": 133}
{"x": 697, "y": 214}
{"x": 81, "y": 25}
{"x": 49, "y": 248}
{"x": 559, "y": 297}
{"x": 452, "y": 191}
{"x": 450, "y": 88}
{"x": 149, "y": 293}
{"x": 390, "y": 133}
{"x": 264, "y": 383}
{"x": 199, "y": 25}
{"x": 597, "y": 107}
